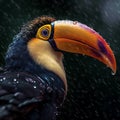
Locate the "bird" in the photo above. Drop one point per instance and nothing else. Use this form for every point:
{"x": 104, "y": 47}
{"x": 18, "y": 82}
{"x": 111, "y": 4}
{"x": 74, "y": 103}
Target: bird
{"x": 33, "y": 82}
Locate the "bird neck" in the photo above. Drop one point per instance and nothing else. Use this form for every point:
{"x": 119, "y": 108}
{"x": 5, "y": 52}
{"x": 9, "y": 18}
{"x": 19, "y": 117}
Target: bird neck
{"x": 44, "y": 55}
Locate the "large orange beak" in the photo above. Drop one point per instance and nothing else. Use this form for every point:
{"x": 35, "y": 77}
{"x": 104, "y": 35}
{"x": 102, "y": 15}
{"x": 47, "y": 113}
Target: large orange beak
{"x": 74, "y": 37}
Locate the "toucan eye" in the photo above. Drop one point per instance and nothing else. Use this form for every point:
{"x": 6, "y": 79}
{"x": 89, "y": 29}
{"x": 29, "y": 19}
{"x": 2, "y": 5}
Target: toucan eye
{"x": 44, "y": 32}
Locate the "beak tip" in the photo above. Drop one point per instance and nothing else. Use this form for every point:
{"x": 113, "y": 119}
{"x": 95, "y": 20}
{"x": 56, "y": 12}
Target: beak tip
{"x": 113, "y": 65}
{"x": 114, "y": 69}
{"x": 110, "y": 58}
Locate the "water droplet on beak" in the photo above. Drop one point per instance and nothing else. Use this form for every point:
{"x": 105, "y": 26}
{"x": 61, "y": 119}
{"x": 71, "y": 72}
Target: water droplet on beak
{"x": 113, "y": 73}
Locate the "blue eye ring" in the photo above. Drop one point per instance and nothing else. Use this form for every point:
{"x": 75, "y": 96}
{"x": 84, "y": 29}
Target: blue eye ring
{"x": 45, "y": 32}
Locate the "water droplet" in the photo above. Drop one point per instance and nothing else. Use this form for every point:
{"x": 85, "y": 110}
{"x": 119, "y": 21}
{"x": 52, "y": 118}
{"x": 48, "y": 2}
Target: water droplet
{"x": 30, "y": 80}
{"x": 75, "y": 22}
{"x": 14, "y": 79}
{"x": 49, "y": 89}
{"x": 52, "y": 79}
{"x": 56, "y": 113}
{"x": 112, "y": 73}
{"x": 4, "y": 78}
{"x": 34, "y": 87}
{"x": 17, "y": 82}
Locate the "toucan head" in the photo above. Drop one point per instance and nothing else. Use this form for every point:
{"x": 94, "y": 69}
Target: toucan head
{"x": 75, "y": 37}
{"x": 47, "y": 38}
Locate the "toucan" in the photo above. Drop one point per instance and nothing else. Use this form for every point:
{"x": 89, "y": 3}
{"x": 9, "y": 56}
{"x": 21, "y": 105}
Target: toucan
{"x": 33, "y": 83}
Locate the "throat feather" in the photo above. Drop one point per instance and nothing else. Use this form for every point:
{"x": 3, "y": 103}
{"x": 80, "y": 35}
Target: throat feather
{"x": 44, "y": 55}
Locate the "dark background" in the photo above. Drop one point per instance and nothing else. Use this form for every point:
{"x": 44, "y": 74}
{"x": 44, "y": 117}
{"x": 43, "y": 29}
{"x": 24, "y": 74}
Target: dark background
{"x": 93, "y": 92}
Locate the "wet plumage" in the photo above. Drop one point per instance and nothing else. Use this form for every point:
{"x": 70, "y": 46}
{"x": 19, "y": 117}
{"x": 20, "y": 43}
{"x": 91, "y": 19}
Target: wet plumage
{"x": 24, "y": 84}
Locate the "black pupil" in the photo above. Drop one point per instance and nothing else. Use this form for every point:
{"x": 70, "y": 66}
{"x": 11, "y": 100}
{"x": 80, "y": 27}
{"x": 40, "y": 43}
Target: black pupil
{"x": 45, "y": 32}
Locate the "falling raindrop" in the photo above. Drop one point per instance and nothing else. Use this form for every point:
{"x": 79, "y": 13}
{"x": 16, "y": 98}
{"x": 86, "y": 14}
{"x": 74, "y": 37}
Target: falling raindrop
{"x": 4, "y": 78}
{"x": 15, "y": 80}
{"x": 34, "y": 87}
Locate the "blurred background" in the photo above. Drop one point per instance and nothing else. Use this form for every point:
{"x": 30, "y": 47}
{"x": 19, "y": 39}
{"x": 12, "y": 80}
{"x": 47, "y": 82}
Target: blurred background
{"x": 93, "y": 92}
